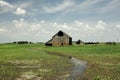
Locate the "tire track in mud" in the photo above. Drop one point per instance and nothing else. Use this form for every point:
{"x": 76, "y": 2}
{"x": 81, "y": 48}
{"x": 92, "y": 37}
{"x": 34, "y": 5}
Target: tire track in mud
{"x": 49, "y": 52}
{"x": 57, "y": 54}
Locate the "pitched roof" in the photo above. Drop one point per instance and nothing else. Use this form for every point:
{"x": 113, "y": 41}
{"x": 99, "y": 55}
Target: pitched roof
{"x": 50, "y": 41}
{"x": 63, "y": 33}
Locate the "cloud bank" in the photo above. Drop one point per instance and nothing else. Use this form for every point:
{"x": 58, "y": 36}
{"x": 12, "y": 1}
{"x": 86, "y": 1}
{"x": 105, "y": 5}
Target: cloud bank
{"x": 20, "y": 11}
{"x": 6, "y": 7}
{"x": 44, "y": 30}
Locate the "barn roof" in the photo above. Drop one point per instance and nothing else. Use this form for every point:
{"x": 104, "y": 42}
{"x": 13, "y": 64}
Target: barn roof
{"x": 50, "y": 41}
{"x": 63, "y": 33}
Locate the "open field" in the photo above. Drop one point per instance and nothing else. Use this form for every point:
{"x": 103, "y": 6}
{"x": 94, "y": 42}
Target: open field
{"x": 37, "y": 62}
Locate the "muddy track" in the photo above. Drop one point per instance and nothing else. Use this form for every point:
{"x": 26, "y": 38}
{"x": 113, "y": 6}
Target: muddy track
{"x": 57, "y": 54}
{"x": 51, "y": 53}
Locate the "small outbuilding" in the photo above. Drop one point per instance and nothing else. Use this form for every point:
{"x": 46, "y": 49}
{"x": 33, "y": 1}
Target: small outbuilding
{"x": 60, "y": 39}
{"x": 79, "y": 42}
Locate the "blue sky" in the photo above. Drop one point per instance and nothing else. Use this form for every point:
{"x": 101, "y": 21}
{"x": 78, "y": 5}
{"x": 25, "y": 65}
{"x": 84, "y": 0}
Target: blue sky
{"x": 39, "y": 20}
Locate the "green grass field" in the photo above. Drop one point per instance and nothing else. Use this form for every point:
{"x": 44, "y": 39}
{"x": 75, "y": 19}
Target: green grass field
{"x": 38, "y": 62}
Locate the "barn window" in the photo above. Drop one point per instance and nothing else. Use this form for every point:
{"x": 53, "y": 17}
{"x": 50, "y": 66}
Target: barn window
{"x": 60, "y": 33}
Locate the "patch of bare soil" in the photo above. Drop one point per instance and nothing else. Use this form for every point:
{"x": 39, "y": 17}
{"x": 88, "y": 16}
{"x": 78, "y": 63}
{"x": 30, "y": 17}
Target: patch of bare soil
{"x": 63, "y": 77}
{"x": 29, "y": 76}
{"x": 34, "y": 76}
{"x": 37, "y": 66}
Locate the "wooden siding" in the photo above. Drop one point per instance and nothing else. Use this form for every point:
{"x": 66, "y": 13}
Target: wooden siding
{"x": 60, "y": 40}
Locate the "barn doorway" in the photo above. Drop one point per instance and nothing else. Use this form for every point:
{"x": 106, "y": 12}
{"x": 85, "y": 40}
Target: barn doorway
{"x": 61, "y": 44}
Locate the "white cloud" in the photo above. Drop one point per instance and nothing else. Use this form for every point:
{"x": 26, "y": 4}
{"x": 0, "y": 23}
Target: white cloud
{"x": 5, "y": 7}
{"x": 5, "y": 4}
{"x": 25, "y": 26}
{"x": 3, "y": 30}
{"x": 81, "y": 26}
{"x": 100, "y": 25}
{"x": 13, "y": 8}
{"x": 20, "y": 11}
{"x": 19, "y": 23}
{"x": 118, "y": 26}
{"x": 42, "y": 21}
{"x": 59, "y": 7}
{"x": 78, "y": 23}
{"x": 88, "y": 28}
{"x": 35, "y": 26}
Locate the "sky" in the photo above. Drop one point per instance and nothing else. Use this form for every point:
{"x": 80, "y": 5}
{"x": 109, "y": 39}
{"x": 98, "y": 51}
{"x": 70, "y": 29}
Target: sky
{"x": 39, "y": 20}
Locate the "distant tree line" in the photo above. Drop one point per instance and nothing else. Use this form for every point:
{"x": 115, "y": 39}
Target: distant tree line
{"x": 91, "y": 42}
{"x": 22, "y": 42}
{"x": 81, "y": 42}
{"x": 113, "y": 43}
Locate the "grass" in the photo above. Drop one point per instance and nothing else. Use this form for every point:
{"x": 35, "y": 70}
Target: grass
{"x": 103, "y": 60}
{"x": 35, "y": 61}
{"x": 17, "y": 59}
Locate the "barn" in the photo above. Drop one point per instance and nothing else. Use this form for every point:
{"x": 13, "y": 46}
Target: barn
{"x": 59, "y": 39}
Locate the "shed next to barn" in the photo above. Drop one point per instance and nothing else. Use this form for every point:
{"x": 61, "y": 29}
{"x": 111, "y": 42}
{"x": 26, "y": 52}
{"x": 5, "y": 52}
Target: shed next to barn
{"x": 60, "y": 39}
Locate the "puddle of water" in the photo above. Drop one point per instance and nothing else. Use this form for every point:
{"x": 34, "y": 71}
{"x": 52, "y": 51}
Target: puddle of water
{"x": 78, "y": 69}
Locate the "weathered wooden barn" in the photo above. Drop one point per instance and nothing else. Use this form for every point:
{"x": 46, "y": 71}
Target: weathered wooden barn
{"x": 60, "y": 39}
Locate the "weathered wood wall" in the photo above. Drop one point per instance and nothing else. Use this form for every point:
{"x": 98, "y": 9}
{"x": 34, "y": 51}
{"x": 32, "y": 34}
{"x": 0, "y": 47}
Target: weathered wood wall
{"x": 60, "y": 40}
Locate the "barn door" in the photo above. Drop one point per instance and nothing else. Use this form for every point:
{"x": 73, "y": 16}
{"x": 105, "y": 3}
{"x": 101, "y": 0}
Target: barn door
{"x": 62, "y": 44}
